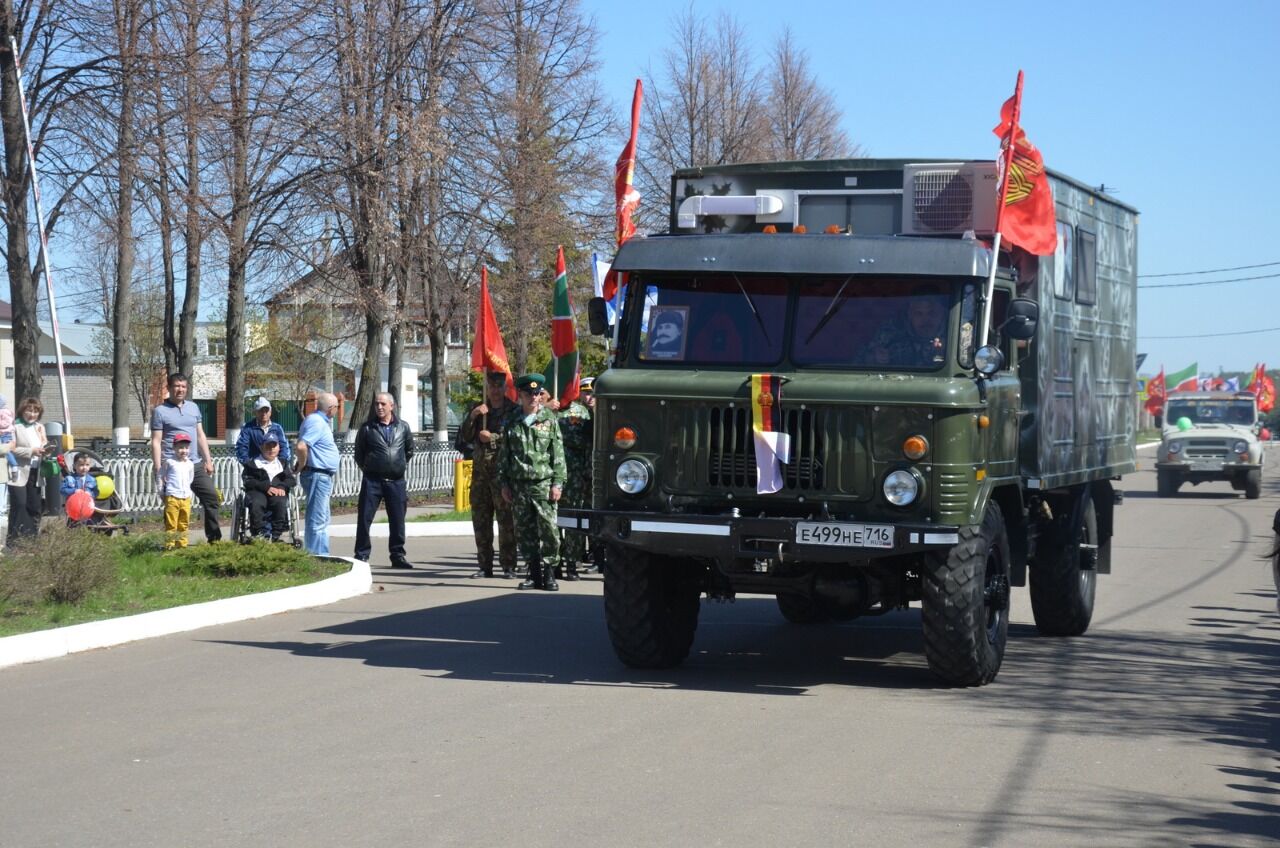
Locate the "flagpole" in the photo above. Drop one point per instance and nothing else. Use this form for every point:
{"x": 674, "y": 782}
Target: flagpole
{"x": 988, "y": 293}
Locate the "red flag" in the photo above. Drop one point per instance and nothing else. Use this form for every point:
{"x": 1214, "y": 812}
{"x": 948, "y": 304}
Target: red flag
{"x": 488, "y": 353}
{"x": 1255, "y": 379}
{"x": 625, "y": 196}
{"x": 1025, "y": 216}
{"x": 1157, "y": 394}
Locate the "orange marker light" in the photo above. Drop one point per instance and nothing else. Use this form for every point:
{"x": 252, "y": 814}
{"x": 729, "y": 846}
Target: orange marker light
{"x": 800, "y": 228}
{"x": 915, "y": 447}
{"x": 983, "y": 422}
{"x": 833, "y": 230}
{"x": 624, "y": 437}
{"x": 769, "y": 228}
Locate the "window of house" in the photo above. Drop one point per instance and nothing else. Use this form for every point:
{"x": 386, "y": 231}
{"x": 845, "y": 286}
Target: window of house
{"x": 217, "y": 345}
{"x": 457, "y": 335}
{"x": 1064, "y": 263}
{"x": 1086, "y": 268}
{"x": 417, "y": 336}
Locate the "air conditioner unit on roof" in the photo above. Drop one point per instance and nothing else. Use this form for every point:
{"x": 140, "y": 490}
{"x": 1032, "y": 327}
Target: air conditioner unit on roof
{"x": 949, "y": 198}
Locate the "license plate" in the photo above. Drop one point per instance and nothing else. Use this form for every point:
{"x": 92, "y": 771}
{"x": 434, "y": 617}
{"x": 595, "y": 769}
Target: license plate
{"x": 844, "y": 535}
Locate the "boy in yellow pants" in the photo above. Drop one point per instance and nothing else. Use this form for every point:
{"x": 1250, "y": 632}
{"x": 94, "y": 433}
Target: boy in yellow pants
{"x": 175, "y": 488}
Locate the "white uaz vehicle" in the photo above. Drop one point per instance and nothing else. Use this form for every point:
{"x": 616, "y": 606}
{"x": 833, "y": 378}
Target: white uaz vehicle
{"x": 1210, "y": 436}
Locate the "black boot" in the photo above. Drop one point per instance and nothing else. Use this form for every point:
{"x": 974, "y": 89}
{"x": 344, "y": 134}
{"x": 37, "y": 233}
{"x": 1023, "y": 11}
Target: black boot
{"x": 571, "y": 571}
{"x": 534, "y": 580}
{"x": 550, "y": 584}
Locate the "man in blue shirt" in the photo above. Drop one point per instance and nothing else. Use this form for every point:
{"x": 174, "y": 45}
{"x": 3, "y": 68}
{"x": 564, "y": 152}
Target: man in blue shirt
{"x": 317, "y": 463}
{"x": 249, "y": 445}
{"x": 179, "y": 415}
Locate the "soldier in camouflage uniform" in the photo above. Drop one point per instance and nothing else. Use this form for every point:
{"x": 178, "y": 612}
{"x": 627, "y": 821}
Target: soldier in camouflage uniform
{"x": 532, "y": 473}
{"x": 917, "y": 341}
{"x": 575, "y": 427}
{"x": 482, "y": 428}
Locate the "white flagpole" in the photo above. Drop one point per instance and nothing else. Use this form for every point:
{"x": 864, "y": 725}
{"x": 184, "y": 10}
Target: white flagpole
{"x": 67, "y": 441}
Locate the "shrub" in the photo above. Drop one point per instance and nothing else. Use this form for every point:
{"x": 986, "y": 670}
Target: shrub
{"x": 61, "y": 565}
{"x": 231, "y": 559}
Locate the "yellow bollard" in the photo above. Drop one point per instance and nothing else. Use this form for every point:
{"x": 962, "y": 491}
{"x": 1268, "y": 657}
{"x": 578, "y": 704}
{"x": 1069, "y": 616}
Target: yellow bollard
{"x": 462, "y": 485}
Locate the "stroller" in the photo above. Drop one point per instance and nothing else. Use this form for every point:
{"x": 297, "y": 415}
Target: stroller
{"x": 105, "y": 508}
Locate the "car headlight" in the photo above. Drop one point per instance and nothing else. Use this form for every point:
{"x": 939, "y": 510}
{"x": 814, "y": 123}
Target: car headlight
{"x": 1174, "y": 447}
{"x": 1241, "y": 446}
{"x": 901, "y": 487}
{"x": 632, "y": 476}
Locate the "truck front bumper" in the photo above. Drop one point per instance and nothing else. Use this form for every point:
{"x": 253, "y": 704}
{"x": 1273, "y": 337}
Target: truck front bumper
{"x": 740, "y": 537}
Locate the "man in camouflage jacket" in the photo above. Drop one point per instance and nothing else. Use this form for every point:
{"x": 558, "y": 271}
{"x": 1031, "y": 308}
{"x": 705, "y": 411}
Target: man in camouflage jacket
{"x": 482, "y": 429}
{"x": 576, "y": 428}
{"x": 531, "y": 471}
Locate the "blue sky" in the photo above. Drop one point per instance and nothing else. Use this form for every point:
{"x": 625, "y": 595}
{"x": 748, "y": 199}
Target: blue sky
{"x": 1175, "y": 105}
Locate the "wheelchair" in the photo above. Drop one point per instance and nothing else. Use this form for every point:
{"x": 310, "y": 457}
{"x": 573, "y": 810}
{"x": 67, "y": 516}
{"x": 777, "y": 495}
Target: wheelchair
{"x": 242, "y": 527}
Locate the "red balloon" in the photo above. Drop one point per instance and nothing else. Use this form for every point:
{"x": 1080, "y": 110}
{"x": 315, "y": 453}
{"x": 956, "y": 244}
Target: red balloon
{"x": 80, "y": 506}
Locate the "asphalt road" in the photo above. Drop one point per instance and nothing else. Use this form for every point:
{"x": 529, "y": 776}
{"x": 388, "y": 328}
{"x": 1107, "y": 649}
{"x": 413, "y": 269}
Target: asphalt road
{"x": 444, "y": 711}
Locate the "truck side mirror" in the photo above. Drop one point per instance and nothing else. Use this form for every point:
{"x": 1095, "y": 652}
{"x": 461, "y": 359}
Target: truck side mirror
{"x": 597, "y": 316}
{"x": 1021, "y": 319}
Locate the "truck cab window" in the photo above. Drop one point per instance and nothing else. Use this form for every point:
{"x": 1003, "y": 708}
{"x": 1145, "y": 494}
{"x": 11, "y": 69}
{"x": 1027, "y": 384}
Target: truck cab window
{"x": 878, "y": 323}
{"x": 713, "y": 319}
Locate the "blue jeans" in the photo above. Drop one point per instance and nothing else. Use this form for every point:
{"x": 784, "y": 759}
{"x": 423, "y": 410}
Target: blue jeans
{"x": 317, "y": 487}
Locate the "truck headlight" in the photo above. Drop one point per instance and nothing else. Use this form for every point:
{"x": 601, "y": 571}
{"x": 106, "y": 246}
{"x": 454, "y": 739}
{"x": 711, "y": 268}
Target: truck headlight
{"x": 633, "y": 476}
{"x": 1241, "y": 446}
{"x": 988, "y": 360}
{"x": 1174, "y": 447}
{"x": 901, "y": 487}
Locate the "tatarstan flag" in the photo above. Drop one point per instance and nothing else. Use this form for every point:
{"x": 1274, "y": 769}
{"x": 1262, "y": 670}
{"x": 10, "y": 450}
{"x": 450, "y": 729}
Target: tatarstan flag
{"x": 488, "y": 353}
{"x": 1185, "y": 380}
{"x": 562, "y": 373}
{"x": 1025, "y": 216}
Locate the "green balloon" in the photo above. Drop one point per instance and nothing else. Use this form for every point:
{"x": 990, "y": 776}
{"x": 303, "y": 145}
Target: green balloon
{"x": 1184, "y": 423}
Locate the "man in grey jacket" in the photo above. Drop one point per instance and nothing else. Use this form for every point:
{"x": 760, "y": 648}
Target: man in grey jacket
{"x": 384, "y": 446}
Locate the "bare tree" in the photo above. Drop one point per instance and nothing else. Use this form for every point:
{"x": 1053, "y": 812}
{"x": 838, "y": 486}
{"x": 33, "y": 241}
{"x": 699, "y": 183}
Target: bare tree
{"x": 804, "y": 121}
{"x": 546, "y": 118}
{"x": 126, "y": 25}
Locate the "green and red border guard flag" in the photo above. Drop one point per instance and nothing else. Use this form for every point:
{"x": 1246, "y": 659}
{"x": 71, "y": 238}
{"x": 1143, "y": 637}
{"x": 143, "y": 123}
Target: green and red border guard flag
{"x": 562, "y": 373}
{"x": 488, "y": 353}
{"x": 1025, "y": 216}
{"x": 625, "y": 195}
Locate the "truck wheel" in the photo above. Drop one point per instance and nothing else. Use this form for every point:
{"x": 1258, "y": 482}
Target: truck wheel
{"x": 966, "y": 605}
{"x": 801, "y": 609}
{"x": 651, "y": 607}
{"x": 1062, "y": 589}
{"x": 1253, "y": 484}
{"x": 1166, "y": 484}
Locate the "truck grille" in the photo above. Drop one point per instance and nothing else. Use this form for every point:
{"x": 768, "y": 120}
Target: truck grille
{"x": 731, "y": 453}
{"x": 1207, "y": 448}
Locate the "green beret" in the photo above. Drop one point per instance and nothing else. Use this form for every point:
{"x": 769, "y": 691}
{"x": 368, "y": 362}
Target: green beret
{"x": 530, "y": 382}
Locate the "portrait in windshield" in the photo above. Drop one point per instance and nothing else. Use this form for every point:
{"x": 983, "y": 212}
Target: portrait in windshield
{"x": 714, "y": 319}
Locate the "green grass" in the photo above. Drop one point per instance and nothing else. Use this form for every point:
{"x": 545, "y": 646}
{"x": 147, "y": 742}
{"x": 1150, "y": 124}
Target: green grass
{"x": 1149, "y": 434}
{"x": 451, "y": 515}
{"x": 138, "y": 576}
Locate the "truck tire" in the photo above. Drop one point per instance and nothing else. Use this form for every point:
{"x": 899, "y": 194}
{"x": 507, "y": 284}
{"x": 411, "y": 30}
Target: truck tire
{"x": 651, "y": 607}
{"x": 1062, "y": 590}
{"x": 801, "y": 609}
{"x": 1253, "y": 484}
{"x": 965, "y": 609}
{"x": 1166, "y": 484}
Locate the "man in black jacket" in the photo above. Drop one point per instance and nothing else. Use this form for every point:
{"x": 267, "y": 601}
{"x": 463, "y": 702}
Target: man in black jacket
{"x": 384, "y": 446}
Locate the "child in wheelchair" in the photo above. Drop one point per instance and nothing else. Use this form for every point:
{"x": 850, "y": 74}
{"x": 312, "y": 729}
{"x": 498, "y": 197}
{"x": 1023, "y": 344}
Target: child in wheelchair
{"x": 267, "y": 481}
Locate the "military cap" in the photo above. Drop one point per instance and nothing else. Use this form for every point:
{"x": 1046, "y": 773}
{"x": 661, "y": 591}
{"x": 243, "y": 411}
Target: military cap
{"x": 530, "y": 382}
{"x": 587, "y": 384}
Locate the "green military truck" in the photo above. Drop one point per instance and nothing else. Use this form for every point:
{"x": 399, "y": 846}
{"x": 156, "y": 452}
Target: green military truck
{"x": 923, "y": 465}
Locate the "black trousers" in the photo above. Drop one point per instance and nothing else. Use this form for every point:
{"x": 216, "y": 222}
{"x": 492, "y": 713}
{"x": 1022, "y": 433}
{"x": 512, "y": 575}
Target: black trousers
{"x": 261, "y": 506}
{"x": 207, "y": 493}
{"x": 25, "y": 507}
{"x": 374, "y": 491}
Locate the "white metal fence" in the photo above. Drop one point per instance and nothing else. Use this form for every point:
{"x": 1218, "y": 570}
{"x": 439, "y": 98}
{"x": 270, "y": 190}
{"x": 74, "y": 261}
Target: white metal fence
{"x": 430, "y": 471}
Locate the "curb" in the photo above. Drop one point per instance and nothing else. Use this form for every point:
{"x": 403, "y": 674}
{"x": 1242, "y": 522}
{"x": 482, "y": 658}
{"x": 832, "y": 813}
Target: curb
{"x": 411, "y": 529}
{"x": 48, "y": 644}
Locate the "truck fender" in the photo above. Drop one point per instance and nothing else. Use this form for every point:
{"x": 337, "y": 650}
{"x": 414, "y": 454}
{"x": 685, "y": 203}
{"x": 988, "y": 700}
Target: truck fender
{"x": 1008, "y": 498}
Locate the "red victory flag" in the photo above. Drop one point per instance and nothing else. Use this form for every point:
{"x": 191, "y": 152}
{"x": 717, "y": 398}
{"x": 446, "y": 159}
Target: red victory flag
{"x": 1025, "y": 216}
{"x": 562, "y": 373}
{"x": 1266, "y": 390}
{"x": 1156, "y": 394}
{"x": 1255, "y": 379}
{"x": 625, "y": 195}
{"x": 488, "y": 353}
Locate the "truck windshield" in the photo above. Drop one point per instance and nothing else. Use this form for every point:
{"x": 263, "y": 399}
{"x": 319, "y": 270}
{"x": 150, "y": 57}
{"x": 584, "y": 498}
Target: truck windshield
{"x": 714, "y": 319}
{"x": 1211, "y": 411}
{"x": 872, "y": 322}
